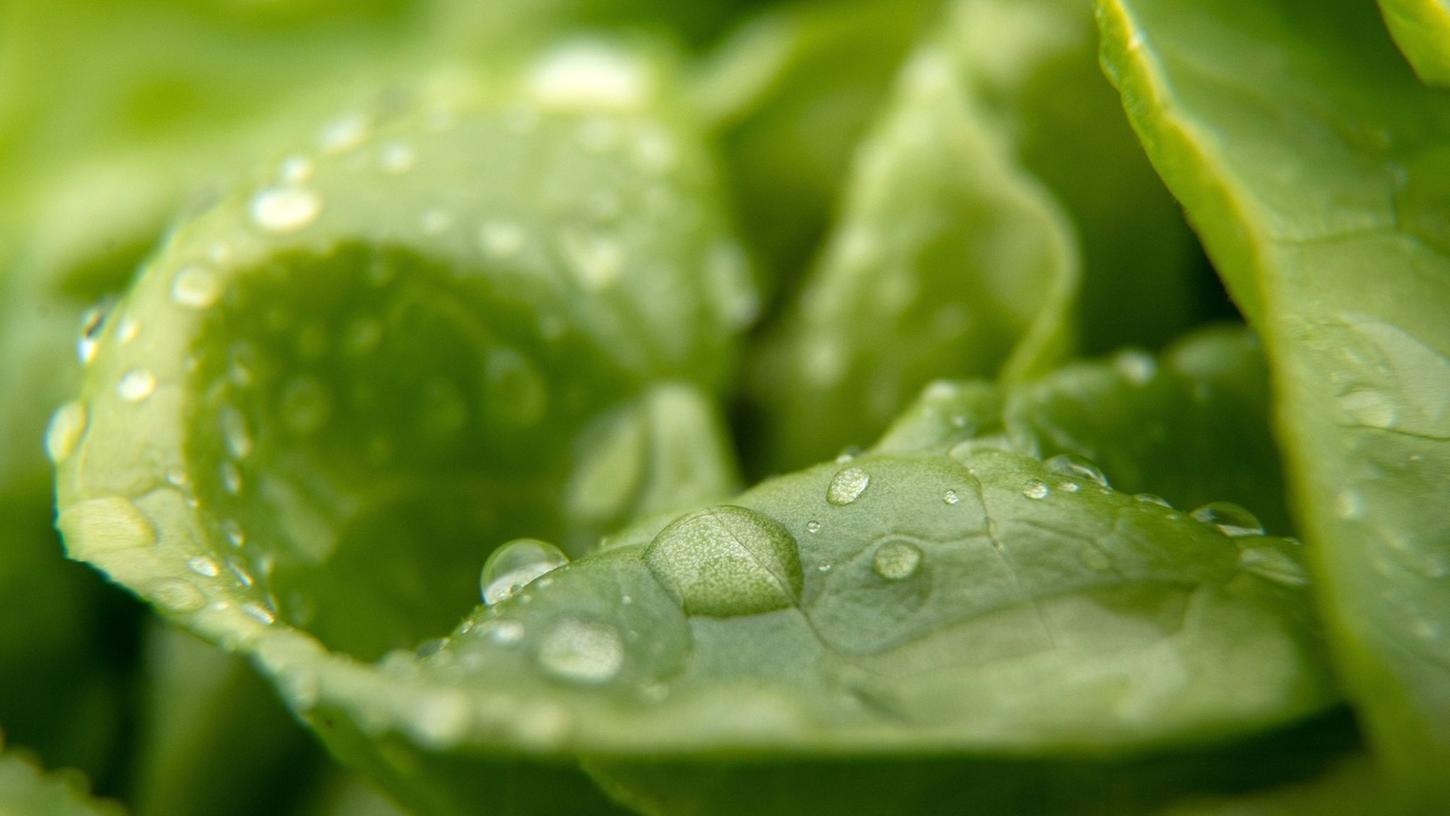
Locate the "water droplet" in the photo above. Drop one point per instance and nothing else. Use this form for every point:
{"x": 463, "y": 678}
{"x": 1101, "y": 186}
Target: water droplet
{"x": 847, "y": 486}
{"x": 823, "y": 566}
{"x": 128, "y": 330}
{"x": 234, "y": 533}
{"x": 235, "y": 434}
{"x": 344, "y": 134}
{"x": 596, "y": 259}
{"x": 240, "y": 572}
{"x": 582, "y": 651}
{"x": 1067, "y": 464}
{"x": 1069, "y": 487}
{"x": 305, "y": 405}
{"x": 848, "y": 454}
{"x": 503, "y": 632}
{"x": 1349, "y": 505}
{"x": 92, "y": 324}
{"x": 813, "y": 526}
{"x": 1273, "y": 563}
{"x": 436, "y": 222}
{"x": 589, "y": 75}
{"x": 896, "y": 559}
{"x": 727, "y": 560}
{"x": 1150, "y": 498}
{"x": 136, "y": 385}
{"x": 196, "y": 286}
{"x": 259, "y": 613}
{"x": 178, "y": 596}
{"x": 1137, "y": 367}
{"x": 397, "y": 158}
{"x": 64, "y": 432}
{"x": 514, "y": 565}
{"x": 203, "y": 566}
{"x": 1095, "y": 559}
{"x": 295, "y": 169}
{"x": 501, "y": 239}
{"x": 231, "y": 478}
{"x": 1035, "y": 489}
{"x": 285, "y": 209}
{"x": 950, "y": 497}
{"x": 1230, "y": 519}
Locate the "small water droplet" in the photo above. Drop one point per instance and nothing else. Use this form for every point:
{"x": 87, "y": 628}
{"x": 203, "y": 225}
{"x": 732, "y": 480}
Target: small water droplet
{"x": 295, "y": 169}
{"x": 896, "y": 559}
{"x": 231, "y": 477}
{"x": 950, "y": 497}
{"x": 1271, "y": 562}
{"x": 1349, "y": 505}
{"x": 503, "y": 632}
{"x": 259, "y": 613}
{"x": 136, "y": 385}
{"x": 285, "y": 209}
{"x": 1137, "y": 367}
{"x": 1066, "y": 464}
{"x": 1095, "y": 559}
{"x": 196, "y": 286}
{"x": 203, "y": 566}
{"x": 93, "y": 322}
{"x": 848, "y": 454}
{"x": 813, "y": 526}
{"x": 344, "y": 134}
{"x": 823, "y": 566}
{"x": 582, "y": 651}
{"x": 128, "y": 330}
{"x": 234, "y": 533}
{"x": 1035, "y": 489}
{"x": 240, "y": 572}
{"x": 1230, "y": 519}
{"x": 1069, "y": 487}
{"x": 1150, "y": 498}
{"x": 436, "y": 221}
{"x": 178, "y": 596}
{"x": 514, "y": 565}
{"x": 397, "y": 158}
{"x": 67, "y": 425}
{"x": 727, "y": 560}
{"x": 501, "y": 239}
{"x": 847, "y": 486}
{"x": 235, "y": 434}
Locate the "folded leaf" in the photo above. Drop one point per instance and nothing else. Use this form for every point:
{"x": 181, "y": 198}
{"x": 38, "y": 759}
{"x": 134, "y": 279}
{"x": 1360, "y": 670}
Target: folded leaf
{"x": 1319, "y": 185}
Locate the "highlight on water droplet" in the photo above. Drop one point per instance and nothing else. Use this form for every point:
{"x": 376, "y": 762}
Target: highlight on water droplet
{"x": 1066, "y": 464}
{"x": 67, "y": 425}
{"x": 847, "y": 486}
{"x": 196, "y": 286}
{"x": 514, "y": 565}
{"x": 285, "y": 209}
{"x": 727, "y": 560}
{"x": 136, "y": 385}
{"x": 1230, "y": 519}
{"x": 1035, "y": 489}
{"x": 582, "y": 651}
{"x": 896, "y": 559}
{"x": 1152, "y": 498}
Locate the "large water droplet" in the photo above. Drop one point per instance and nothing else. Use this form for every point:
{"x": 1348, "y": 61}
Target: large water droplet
{"x": 1066, "y": 464}
{"x": 515, "y": 564}
{"x": 727, "y": 560}
{"x": 847, "y": 486}
{"x": 582, "y": 651}
{"x": 136, "y": 385}
{"x": 1035, "y": 489}
{"x": 896, "y": 559}
{"x": 1230, "y": 519}
{"x": 285, "y": 209}
{"x": 1270, "y": 561}
{"x": 64, "y": 432}
{"x": 196, "y": 286}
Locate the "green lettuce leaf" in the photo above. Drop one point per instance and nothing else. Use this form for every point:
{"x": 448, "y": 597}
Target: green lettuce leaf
{"x": 1319, "y": 185}
{"x": 26, "y": 790}
{"x": 1421, "y": 28}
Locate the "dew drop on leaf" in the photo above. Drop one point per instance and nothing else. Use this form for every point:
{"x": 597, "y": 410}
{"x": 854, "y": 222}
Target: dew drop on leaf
{"x": 950, "y": 497}
{"x": 196, "y": 286}
{"x": 93, "y": 322}
{"x": 64, "y": 432}
{"x": 1066, "y": 464}
{"x": 1271, "y": 562}
{"x": 582, "y": 651}
{"x": 1151, "y": 498}
{"x": 285, "y": 209}
{"x": 1230, "y": 519}
{"x": 1035, "y": 489}
{"x": 514, "y": 565}
{"x": 136, "y": 385}
{"x": 896, "y": 559}
{"x": 847, "y": 486}
{"x": 727, "y": 560}
{"x": 203, "y": 566}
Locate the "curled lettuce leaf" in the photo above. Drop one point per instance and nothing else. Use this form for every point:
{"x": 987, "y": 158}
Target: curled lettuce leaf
{"x": 1319, "y": 186}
